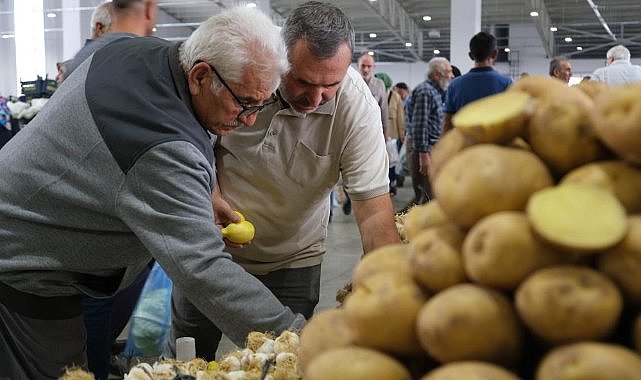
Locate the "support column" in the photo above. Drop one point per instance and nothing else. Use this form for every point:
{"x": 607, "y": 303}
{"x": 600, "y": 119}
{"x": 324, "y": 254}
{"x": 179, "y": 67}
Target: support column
{"x": 465, "y": 22}
{"x": 72, "y": 36}
{"x": 30, "y": 40}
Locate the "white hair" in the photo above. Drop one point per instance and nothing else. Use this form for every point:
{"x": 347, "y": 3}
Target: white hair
{"x": 235, "y": 39}
{"x": 618, "y": 53}
{"x": 436, "y": 64}
{"x": 101, "y": 14}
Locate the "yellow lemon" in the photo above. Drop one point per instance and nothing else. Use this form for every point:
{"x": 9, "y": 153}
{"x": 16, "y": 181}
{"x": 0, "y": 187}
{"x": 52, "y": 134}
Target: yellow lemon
{"x": 239, "y": 233}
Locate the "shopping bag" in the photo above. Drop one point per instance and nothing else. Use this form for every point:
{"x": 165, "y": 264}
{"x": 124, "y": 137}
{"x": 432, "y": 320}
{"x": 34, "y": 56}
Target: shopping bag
{"x": 392, "y": 152}
{"x": 152, "y": 316}
{"x": 403, "y": 167}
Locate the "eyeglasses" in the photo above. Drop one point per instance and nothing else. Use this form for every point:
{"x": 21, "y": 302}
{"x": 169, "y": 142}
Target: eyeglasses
{"x": 247, "y": 109}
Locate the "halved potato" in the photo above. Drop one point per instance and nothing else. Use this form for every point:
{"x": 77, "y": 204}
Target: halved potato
{"x": 496, "y": 118}
{"x": 580, "y": 218}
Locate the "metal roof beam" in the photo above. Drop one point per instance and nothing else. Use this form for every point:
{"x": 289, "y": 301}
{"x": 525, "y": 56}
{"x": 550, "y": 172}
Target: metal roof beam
{"x": 543, "y": 24}
{"x": 396, "y": 19}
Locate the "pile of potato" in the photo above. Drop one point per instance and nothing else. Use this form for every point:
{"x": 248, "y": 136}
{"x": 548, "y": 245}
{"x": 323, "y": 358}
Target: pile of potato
{"x": 527, "y": 265}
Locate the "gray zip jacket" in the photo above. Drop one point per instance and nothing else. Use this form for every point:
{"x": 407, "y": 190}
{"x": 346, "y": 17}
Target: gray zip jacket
{"x": 116, "y": 170}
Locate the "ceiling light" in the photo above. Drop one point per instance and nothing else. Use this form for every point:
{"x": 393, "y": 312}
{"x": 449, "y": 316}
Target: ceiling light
{"x": 370, "y": 53}
{"x": 52, "y": 15}
{"x": 427, "y": 18}
{"x": 507, "y": 50}
{"x": 154, "y": 29}
{"x": 534, "y": 14}
{"x": 579, "y": 48}
{"x": 553, "y": 29}
{"x": 436, "y": 51}
{"x": 408, "y": 44}
{"x": 372, "y": 35}
{"x": 568, "y": 39}
{"x": 5, "y": 36}
{"x": 250, "y": 5}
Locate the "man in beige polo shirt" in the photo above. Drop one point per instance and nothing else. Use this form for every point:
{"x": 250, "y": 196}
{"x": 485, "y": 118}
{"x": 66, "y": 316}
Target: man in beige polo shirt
{"x": 280, "y": 172}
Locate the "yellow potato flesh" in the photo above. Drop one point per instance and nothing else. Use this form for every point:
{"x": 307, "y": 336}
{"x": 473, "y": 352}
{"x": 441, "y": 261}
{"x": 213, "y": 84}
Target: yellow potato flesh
{"x": 496, "y": 119}
{"x": 578, "y": 217}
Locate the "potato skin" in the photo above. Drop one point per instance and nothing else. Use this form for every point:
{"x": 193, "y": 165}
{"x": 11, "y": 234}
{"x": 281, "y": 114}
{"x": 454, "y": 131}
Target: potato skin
{"x": 617, "y": 121}
{"x": 623, "y": 179}
{"x": 622, "y": 263}
{"x": 326, "y": 330}
{"x": 420, "y": 217}
{"x": 590, "y": 360}
{"x": 389, "y": 258}
{"x": 568, "y": 303}
{"x": 470, "y": 370}
{"x": 435, "y": 257}
{"x": 447, "y": 147}
{"x": 382, "y": 313}
{"x": 501, "y": 251}
{"x": 355, "y": 363}
{"x": 562, "y": 133}
{"x": 484, "y": 179}
{"x": 470, "y": 322}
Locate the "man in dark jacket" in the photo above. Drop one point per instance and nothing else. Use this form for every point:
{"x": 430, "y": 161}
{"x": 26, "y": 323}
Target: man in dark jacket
{"x": 117, "y": 170}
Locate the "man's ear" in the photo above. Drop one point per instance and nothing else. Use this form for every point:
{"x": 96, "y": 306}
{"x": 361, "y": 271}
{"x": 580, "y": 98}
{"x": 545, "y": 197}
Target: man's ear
{"x": 199, "y": 78}
{"x": 471, "y": 56}
{"x": 495, "y": 53}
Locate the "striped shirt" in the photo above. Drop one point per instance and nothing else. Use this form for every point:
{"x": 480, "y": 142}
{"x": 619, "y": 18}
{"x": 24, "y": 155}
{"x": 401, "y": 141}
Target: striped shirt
{"x": 425, "y": 114}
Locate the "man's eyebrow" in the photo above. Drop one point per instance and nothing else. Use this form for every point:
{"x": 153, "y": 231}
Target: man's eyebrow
{"x": 320, "y": 85}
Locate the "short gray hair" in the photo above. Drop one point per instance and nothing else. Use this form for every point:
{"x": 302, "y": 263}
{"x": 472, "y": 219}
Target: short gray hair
{"x": 436, "y": 64}
{"x": 618, "y": 53}
{"x": 102, "y": 14}
{"x": 235, "y": 39}
{"x": 322, "y": 25}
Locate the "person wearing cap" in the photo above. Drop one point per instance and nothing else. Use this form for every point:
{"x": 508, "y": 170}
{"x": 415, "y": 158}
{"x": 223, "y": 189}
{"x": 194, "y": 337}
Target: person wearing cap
{"x": 113, "y": 173}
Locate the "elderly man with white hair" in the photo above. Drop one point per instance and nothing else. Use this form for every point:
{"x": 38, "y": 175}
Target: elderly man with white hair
{"x": 119, "y": 169}
{"x": 618, "y": 69}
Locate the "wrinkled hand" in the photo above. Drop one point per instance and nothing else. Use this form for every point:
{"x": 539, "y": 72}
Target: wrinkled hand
{"x": 224, "y": 215}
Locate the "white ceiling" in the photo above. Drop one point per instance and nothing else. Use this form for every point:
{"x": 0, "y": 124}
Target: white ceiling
{"x": 398, "y": 21}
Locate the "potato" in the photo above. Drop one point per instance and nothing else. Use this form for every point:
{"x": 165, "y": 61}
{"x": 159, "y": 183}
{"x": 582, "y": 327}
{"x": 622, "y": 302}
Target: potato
{"x": 420, "y": 217}
{"x": 496, "y": 118}
{"x": 619, "y": 177}
{"x": 579, "y": 218}
{"x": 622, "y": 263}
{"x": 355, "y": 363}
{"x": 562, "y": 133}
{"x": 382, "y": 313}
{"x": 389, "y": 258}
{"x": 590, "y": 360}
{"x": 470, "y": 322}
{"x": 568, "y": 303}
{"x": 485, "y": 178}
{"x": 592, "y": 88}
{"x": 470, "y": 370}
{"x": 449, "y": 145}
{"x": 617, "y": 121}
{"x": 326, "y": 330}
{"x": 501, "y": 251}
{"x": 540, "y": 87}
{"x": 435, "y": 257}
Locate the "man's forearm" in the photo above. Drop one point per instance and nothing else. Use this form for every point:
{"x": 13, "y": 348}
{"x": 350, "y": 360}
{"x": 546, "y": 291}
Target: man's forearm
{"x": 375, "y": 220}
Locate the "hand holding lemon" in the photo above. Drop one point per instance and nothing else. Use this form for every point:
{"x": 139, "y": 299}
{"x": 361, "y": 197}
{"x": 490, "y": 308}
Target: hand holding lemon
{"x": 239, "y": 233}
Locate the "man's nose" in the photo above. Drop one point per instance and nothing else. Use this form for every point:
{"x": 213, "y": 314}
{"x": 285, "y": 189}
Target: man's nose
{"x": 315, "y": 96}
{"x": 249, "y": 120}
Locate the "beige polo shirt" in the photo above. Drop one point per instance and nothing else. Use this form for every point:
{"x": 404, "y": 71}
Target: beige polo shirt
{"x": 280, "y": 172}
